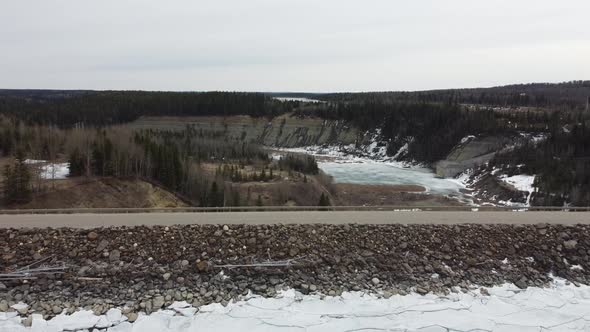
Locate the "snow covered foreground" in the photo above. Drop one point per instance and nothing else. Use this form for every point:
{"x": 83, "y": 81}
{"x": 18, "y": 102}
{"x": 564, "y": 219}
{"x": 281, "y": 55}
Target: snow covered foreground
{"x": 558, "y": 308}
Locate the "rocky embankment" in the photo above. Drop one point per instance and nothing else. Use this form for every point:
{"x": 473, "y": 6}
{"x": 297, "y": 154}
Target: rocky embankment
{"x": 142, "y": 269}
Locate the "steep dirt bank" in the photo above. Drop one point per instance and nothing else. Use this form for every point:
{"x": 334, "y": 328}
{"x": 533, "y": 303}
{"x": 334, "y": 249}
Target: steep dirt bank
{"x": 101, "y": 193}
{"x": 488, "y": 189}
{"x": 471, "y": 153}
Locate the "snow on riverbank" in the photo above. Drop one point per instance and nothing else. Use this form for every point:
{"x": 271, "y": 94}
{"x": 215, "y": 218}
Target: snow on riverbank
{"x": 561, "y": 307}
{"x": 343, "y": 154}
{"x": 375, "y": 150}
{"x": 521, "y": 182}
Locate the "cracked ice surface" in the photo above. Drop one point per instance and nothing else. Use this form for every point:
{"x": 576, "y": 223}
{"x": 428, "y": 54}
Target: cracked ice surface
{"x": 560, "y": 307}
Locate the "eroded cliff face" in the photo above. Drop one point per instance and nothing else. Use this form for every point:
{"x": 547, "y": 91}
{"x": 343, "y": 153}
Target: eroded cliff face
{"x": 283, "y": 131}
{"x": 287, "y": 131}
{"x": 471, "y": 153}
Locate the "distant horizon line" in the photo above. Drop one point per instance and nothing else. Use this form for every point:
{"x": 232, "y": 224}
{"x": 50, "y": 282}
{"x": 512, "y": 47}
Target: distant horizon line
{"x": 294, "y": 92}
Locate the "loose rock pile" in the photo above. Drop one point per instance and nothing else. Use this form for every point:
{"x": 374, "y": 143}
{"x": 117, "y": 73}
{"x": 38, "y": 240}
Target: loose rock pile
{"x": 146, "y": 268}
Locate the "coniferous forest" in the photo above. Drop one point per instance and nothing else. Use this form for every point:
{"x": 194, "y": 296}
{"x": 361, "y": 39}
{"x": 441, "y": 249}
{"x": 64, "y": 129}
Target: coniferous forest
{"x": 562, "y": 96}
{"x": 562, "y": 165}
{"x": 101, "y": 108}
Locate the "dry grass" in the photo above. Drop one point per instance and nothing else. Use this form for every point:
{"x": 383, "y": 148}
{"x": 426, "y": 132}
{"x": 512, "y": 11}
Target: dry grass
{"x": 375, "y": 195}
{"x": 102, "y": 193}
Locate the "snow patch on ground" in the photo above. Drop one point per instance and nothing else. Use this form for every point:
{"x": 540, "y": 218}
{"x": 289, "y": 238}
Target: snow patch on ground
{"x": 467, "y": 139}
{"x": 464, "y": 179}
{"x": 561, "y": 307}
{"x": 300, "y": 99}
{"x": 521, "y": 182}
{"x": 525, "y": 138}
{"x": 534, "y": 138}
{"x": 49, "y": 171}
{"x": 403, "y": 150}
{"x": 55, "y": 171}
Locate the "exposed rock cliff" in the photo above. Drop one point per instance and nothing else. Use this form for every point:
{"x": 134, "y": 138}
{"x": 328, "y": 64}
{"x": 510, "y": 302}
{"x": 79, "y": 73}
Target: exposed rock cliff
{"x": 283, "y": 131}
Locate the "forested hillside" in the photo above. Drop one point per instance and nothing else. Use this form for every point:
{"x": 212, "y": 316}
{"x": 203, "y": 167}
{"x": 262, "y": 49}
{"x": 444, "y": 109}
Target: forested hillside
{"x": 98, "y": 108}
{"x": 88, "y": 129}
{"x": 431, "y": 122}
{"x": 431, "y": 130}
{"x": 101, "y": 108}
{"x": 561, "y": 163}
{"x": 566, "y": 96}
{"x": 202, "y": 167}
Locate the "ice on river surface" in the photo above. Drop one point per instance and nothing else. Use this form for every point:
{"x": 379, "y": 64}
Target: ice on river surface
{"x": 377, "y": 169}
{"x": 374, "y": 172}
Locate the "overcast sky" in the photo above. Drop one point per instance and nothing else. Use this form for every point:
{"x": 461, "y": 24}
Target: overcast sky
{"x": 291, "y": 45}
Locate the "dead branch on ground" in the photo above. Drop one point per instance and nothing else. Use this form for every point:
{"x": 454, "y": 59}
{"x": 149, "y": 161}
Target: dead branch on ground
{"x": 34, "y": 270}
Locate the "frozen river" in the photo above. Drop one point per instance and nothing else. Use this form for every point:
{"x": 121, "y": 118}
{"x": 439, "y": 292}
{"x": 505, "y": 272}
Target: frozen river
{"x": 346, "y": 168}
{"x": 375, "y": 172}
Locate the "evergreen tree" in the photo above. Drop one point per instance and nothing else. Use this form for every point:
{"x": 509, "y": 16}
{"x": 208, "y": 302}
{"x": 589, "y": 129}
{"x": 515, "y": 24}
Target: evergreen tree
{"x": 23, "y": 179}
{"x": 108, "y": 167}
{"x": 9, "y": 184}
{"x": 300, "y": 163}
{"x": 236, "y": 198}
{"x": 17, "y": 181}
{"x": 7, "y": 141}
{"x": 217, "y": 196}
{"x": 76, "y": 162}
{"x": 214, "y": 196}
{"x": 97, "y": 160}
{"x": 324, "y": 200}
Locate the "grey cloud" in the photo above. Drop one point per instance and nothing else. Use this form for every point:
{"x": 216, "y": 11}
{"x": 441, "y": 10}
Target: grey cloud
{"x": 301, "y": 45}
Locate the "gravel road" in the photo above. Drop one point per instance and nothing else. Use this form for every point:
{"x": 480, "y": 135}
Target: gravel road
{"x": 299, "y": 217}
